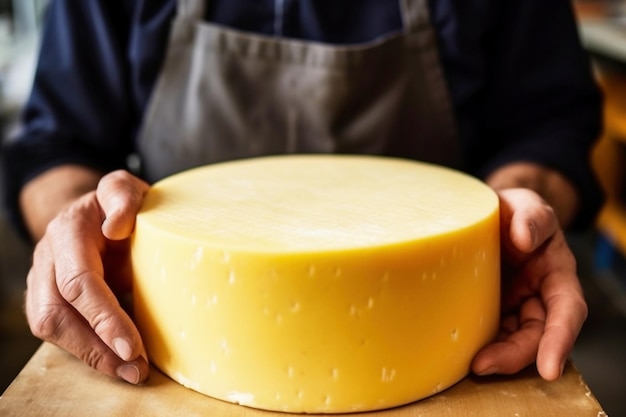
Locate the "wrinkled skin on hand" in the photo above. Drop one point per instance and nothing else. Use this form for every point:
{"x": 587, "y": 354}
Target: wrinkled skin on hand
{"x": 82, "y": 262}
{"x": 543, "y": 307}
{"x": 77, "y": 265}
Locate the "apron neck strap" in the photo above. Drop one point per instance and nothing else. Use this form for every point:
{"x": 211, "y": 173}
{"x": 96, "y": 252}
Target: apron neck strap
{"x": 191, "y": 9}
{"x": 415, "y": 14}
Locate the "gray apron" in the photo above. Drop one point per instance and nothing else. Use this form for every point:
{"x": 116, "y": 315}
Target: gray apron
{"x": 225, "y": 94}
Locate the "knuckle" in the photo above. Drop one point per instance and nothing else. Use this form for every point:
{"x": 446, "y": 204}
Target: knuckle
{"x": 116, "y": 190}
{"x": 583, "y": 308}
{"x": 55, "y": 226}
{"x": 122, "y": 179}
{"x": 93, "y": 357}
{"x": 73, "y": 218}
{"x": 116, "y": 177}
{"x": 72, "y": 286}
{"x": 116, "y": 180}
{"x": 102, "y": 322}
{"x": 74, "y": 289}
{"x": 47, "y": 323}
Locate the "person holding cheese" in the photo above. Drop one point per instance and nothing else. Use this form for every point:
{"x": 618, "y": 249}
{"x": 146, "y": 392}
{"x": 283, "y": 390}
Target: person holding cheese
{"x": 501, "y": 90}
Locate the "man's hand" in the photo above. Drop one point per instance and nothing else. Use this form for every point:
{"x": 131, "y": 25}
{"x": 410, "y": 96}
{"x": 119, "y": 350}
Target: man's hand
{"x": 81, "y": 256}
{"x": 543, "y": 308}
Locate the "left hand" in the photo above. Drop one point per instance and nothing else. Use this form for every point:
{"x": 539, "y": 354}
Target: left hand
{"x": 543, "y": 307}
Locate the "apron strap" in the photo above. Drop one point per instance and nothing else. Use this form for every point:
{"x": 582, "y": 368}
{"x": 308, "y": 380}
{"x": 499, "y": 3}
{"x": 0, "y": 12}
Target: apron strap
{"x": 191, "y": 9}
{"x": 415, "y": 14}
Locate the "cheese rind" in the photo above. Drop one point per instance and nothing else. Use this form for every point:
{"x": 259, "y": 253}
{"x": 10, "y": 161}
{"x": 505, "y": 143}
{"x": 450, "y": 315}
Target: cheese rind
{"x": 256, "y": 284}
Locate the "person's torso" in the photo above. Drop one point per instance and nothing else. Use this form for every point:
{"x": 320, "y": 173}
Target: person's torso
{"x": 460, "y": 27}
{"x": 227, "y": 93}
{"x": 326, "y": 21}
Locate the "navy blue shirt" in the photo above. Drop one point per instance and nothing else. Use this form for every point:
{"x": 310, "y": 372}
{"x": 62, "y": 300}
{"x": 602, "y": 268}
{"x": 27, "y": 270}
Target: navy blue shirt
{"x": 520, "y": 83}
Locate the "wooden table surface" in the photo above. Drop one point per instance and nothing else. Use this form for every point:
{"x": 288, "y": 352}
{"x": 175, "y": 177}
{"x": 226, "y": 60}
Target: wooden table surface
{"x": 55, "y": 384}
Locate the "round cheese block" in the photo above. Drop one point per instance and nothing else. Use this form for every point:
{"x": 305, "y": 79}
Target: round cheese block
{"x": 317, "y": 283}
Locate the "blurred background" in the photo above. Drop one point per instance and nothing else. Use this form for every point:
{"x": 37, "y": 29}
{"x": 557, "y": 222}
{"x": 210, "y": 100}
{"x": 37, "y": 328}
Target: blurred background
{"x": 19, "y": 32}
{"x": 600, "y": 352}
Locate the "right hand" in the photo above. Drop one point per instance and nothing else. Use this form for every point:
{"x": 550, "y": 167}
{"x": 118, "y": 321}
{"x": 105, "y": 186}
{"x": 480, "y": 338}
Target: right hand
{"x": 78, "y": 265}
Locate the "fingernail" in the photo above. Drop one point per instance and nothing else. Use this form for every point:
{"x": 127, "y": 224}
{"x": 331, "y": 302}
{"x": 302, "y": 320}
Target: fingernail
{"x": 488, "y": 371}
{"x": 129, "y": 373}
{"x": 122, "y": 348}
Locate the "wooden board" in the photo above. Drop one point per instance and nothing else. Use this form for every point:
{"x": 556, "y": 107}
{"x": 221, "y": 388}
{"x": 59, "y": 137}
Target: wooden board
{"x": 55, "y": 384}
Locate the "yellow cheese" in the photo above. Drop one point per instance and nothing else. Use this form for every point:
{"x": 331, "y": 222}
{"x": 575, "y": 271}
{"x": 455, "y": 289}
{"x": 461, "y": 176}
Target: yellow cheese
{"x": 318, "y": 284}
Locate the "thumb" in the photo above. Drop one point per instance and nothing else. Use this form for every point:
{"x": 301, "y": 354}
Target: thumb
{"x": 120, "y": 195}
{"x": 529, "y": 221}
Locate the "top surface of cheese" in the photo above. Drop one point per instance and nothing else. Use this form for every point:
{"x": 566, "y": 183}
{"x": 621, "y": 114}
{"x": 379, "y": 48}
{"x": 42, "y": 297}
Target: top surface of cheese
{"x": 315, "y": 203}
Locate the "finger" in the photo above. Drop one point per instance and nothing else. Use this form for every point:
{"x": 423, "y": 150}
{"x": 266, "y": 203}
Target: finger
{"x": 519, "y": 349}
{"x": 528, "y": 245}
{"x": 553, "y": 276}
{"x": 567, "y": 311}
{"x": 120, "y": 195}
{"x": 51, "y": 319}
{"x": 531, "y": 222}
{"x": 79, "y": 275}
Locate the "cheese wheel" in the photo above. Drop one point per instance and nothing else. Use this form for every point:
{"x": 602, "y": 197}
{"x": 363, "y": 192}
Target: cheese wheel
{"x": 317, "y": 283}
